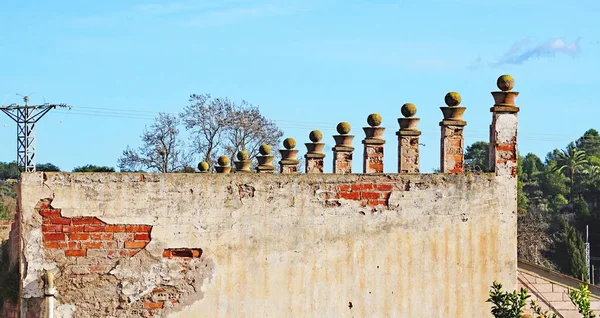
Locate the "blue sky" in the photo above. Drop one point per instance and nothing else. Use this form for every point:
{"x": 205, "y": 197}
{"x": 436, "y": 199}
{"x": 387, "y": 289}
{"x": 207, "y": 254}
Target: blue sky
{"x": 307, "y": 64}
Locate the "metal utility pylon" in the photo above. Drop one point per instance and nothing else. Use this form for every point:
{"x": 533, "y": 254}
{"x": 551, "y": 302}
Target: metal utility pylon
{"x": 26, "y": 117}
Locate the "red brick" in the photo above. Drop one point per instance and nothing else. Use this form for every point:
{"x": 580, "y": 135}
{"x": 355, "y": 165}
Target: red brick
{"x": 53, "y": 244}
{"x": 506, "y": 147}
{"x": 116, "y": 228}
{"x": 158, "y": 290}
{"x": 362, "y": 186}
{"x": 50, "y": 213}
{"x": 46, "y": 221}
{"x": 54, "y": 236}
{"x": 63, "y": 221}
{"x": 344, "y": 187}
{"x": 91, "y": 244}
{"x": 79, "y": 236}
{"x": 350, "y": 195}
{"x": 376, "y": 166}
{"x": 72, "y": 228}
{"x": 139, "y": 228}
{"x": 110, "y": 244}
{"x": 83, "y": 220}
{"x": 369, "y": 195}
{"x": 43, "y": 205}
{"x": 75, "y": 253}
{"x": 167, "y": 253}
{"x": 101, "y": 236}
{"x": 52, "y": 228}
{"x": 153, "y": 305}
{"x": 69, "y": 245}
{"x": 383, "y": 186}
{"x": 94, "y": 228}
{"x": 135, "y": 244}
{"x": 142, "y": 237}
{"x": 377, "y": 202}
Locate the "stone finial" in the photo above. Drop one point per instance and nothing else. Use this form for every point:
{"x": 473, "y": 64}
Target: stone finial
{"x": 505, "y": 98}
{"x": 409, "y": 122}
{"x": 342, "y": 151}
{"x": 373, "y": 145}
{"x": 223, "y": 166}
{"x": 203, "y": 167}
{"x": 409, "y": 110}
{"x": 314, "y": 153}
{"x": 452, "y": 138}
{"x": 265, "y": 160}
{"x": 243, "y": 163}
{"x": 408, "y": 140}
{"x": 289, "y": 163}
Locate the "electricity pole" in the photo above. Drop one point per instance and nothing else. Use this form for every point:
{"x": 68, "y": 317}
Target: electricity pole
{"x": 587, "y": 253}
{"x": 26, "y": 117}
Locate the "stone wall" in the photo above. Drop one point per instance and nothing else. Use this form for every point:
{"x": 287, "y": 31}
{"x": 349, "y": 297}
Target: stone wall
{"x": 190, "y": 245}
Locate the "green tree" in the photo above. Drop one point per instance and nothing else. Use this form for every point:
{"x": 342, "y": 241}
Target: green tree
{"x": 570, "y": 160}
{"x": 522, "y": 200}
{"x": 477, "y": 156}
{"x": 93, "y": 168}
{"x": 589, "y": 143}
{"x": 570, "y": 251}
{"x": 9, "y": 170}
{"x": 47, "y": 167}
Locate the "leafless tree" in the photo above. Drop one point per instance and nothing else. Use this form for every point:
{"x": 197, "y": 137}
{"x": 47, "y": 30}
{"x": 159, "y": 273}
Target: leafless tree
{"x": 162, "y": 149}
{"x": 222, "y": 127}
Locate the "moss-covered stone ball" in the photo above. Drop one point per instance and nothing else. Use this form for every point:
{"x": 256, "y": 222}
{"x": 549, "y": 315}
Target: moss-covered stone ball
{"x": 264, "y": 149}
{"x": 409, "y": 110}
{"x": 203, "y": 166}
{"x": 243, "y": 155}
{"x": 343, "y": 128}
{"x": 505, "y": 83}
{"x": 453, "y": 99}
{"x": 223, "y": 161}
{"x": 374, "y": 120}
{"x": 315, "y": 136}
{"x": 289, "y": 143}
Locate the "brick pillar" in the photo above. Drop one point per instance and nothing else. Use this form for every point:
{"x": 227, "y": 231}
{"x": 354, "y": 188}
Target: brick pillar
{"x": 243, "y": 163}
{"x": 503, "y": 130}
{"x": 203, "y": 167}
{"x": 314, "y": 153}
{"x": 452, "y": 143}
{"x": 265, "y": 161}
{"x": 289, "y": 163}
{"x": 373, "y": 153}
{"x": 408, "y": 140}
{"x": 342, "y": 152}
{"x": 223, "y": 166}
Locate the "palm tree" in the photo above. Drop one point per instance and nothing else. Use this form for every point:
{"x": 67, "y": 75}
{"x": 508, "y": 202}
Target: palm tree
{"x": 570, "y": 159}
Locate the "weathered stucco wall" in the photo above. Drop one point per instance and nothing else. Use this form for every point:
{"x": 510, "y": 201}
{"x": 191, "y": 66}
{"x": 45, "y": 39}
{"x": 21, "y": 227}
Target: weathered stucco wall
{"x": 208, "y": 245}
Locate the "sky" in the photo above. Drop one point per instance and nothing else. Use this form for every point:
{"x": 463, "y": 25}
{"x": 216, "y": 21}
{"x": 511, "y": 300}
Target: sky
{"x": 307, "y": 65}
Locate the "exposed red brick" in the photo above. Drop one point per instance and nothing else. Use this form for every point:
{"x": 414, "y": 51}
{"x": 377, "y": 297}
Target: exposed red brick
{"x": 94, "y": 228}
{"x": 166, "y": 253}
{"x": 50, "y": 213}
{"x": 54, "y": 236}
{"x": 116, "y": 228}
{"x": 53, "y": 244}
{"x": 60, "y": 220}
{"x": 344, "y": 187}
{"x": 377, "y": 202}
{"x": 506, "y": 147}
{"x": 139, "y": 228}
{"x": 84, "y": 220}
{"x": 135, "y": 244}
{"x": 142, "y": 237}
{"x": 362, "y": 186}
{"x": 91, "y": 244}
{"x": 153, "y": 305}
{"x": 101, "y": 236}
{"x": 350, "y": 195}
{"x": 72, "y": 228}
{"x": 52, "y": 228}
{"x": 369, "y": 195}
{"x": 158, "y": 290}
{"x": 75, "y": 252}
{"x": 110, "y": 244}
{"x": 182, "y": 253}
{"x": 71, "y": 245}
{"x": 79, "y": 236}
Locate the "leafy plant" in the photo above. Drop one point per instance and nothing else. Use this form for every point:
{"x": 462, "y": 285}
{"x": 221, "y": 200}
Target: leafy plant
{"x": 581, "y": 299}
{"x": 507, "y": 304}
{"x": 540, "y": 313}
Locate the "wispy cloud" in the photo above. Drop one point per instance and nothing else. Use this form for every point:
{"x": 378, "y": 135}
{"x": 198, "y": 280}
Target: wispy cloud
{"x": 523, "y": 51}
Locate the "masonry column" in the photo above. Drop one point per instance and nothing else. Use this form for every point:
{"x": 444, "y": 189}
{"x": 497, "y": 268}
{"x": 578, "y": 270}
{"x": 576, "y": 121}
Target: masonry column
{"x": 289, "y": 163}
{"x": 265, "y": 161}
{"x": 243, "y": 163}
{"x": 452, "y": 143}
{"x": 342, "y": 152}
{"x": 373, "y": 153}
{"x": 223, "y": 166}
{"x": 314, "y": 153}
{"x": 503, "y": 130}
{"x": 408, "y": 140}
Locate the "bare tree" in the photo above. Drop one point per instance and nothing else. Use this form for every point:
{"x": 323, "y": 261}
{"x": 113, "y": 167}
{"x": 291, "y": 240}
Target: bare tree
{"x": 221, "y": 127}
{"x": 162, "y": 150}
